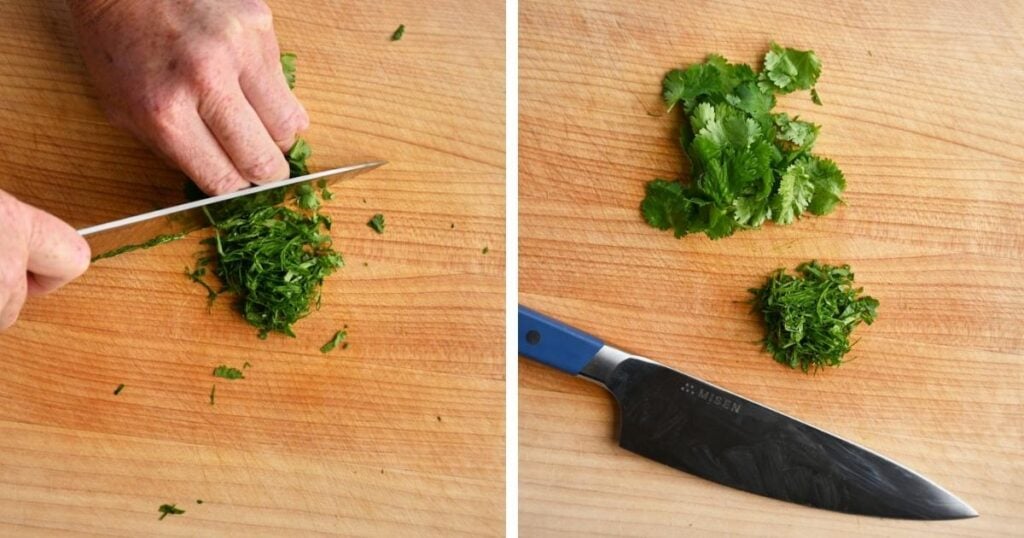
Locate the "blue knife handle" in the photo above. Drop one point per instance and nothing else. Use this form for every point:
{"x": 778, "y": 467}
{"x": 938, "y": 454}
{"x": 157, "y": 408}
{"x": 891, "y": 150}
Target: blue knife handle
{"x": 554, "y": 343}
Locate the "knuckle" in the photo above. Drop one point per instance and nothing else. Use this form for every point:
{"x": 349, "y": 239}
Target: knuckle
{"x": 222, "y": 183}
{"x": 264, "y": 168}
{"x": 259, "y": 14}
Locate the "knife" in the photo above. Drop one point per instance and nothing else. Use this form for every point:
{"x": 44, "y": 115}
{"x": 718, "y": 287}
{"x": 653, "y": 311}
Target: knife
{"x": 697, "y": 427}
{"x": 184, "y": 218}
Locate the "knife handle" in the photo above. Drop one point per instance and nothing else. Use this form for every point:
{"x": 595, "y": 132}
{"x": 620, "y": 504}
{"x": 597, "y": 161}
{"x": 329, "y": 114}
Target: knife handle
{"x": 554, "y": 343}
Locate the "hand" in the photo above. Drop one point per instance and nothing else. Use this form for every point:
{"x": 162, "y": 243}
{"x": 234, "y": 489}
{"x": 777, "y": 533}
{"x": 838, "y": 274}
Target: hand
{"x": 38, "y": 254}
{"x": 199, "y": 81}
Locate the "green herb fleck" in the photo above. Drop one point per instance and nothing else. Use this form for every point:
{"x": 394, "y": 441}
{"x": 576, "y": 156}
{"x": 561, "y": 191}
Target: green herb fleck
{"x": 158, "y": 240}
{"x": 196, "y": 276}
{"x": 228, "y": 372}
{"x": 338, "y": 338}
{"x": 486, "y": 250}
{"x": 377, "y": 223}
{"x": 808, "y": 318}
{"x": 399, "y": 32}
{"x": 288, "y": 66}
{"x": 213, "y": 391}
{"x": 815, "y": 97}
{"x": 170, "y": 509}
{"x": 119, "y": 389}
{"x": 199, "y": 501}
{"x": 748, "y": 164}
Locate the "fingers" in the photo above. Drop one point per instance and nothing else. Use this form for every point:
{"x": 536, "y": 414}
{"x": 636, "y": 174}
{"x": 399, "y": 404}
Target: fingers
{"x": 57, "y": 254}
{"x": 185, "y": 139}
{"x": 243, "y": 136}
{"x": 278, "y": 108}
{"x": 38, "y": 253}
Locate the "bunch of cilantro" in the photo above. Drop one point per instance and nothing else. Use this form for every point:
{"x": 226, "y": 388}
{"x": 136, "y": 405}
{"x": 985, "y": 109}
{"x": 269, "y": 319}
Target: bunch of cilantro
{"x": 748, "y": 164}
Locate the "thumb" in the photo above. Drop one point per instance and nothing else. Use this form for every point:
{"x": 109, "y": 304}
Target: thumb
{"x": 57, "y": 254}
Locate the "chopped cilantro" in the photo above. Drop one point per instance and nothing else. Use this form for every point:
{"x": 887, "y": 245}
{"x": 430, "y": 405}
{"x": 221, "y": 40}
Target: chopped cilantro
{"x": 170, "y": 509}
{"x": 158, "y": 240}
{"x": 377, "y": 223}
{"x": 486, "y": 250}
{"x": 288, "y": 66}
{"x": 228, "y": 372}
{"x": 749, "y": 165}
{"x": 213, "y": 392}
{"x": 398, "y": 33}
{"x": 338, "y": 338}
{"x": 119, "y": 389}
{"x": 808, "y": 318}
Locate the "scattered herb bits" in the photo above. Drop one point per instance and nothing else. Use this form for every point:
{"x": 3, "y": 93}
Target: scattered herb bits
{"x": 748, "y": 164}
{"x": 398, "y": 33}
{"x": 119, "y": 389}
{"x": 228, "y": 372}
{"x": 158, "y": 240}
{"x": 808, "y": 317}
{"x": 170, "y": 510}
{"x": 337, "y": 340}
{"x": 376, "y": 223}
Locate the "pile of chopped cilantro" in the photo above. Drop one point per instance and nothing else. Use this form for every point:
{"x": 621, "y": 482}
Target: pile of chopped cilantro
{"x": 271, "y": 255}
{"x": 808, "y": 318}
{"x": 748, "y": 164}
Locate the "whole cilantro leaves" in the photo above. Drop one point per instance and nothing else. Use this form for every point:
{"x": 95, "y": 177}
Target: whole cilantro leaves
{"x": 748, "y": 164}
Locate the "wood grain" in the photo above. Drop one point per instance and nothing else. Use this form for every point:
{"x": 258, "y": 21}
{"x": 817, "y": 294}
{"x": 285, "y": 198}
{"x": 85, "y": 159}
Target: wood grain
{"x": 401, "y": 433}
{"x": 922, "y": 111}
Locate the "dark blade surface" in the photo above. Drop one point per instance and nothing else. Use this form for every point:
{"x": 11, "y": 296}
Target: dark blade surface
{"x": 696, "y": 427}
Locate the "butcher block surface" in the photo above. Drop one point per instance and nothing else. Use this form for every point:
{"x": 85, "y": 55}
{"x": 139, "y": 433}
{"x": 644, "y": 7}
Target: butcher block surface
{"x": 402, "y": 433}
{"x": 922, "y": 111}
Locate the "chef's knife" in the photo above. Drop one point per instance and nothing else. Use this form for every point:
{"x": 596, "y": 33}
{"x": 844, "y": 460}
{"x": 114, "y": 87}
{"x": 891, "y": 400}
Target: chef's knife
{"x": 184, "y": 218}
{"x": 705, "y": 430}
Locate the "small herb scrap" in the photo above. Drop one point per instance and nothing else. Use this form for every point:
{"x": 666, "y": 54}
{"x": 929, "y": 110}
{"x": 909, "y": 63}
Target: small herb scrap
{"x": 748, "y": 164}
{"x": 170, "y": 509}
{"x": 808, "y": 317}
{"x": 228, "y": 372}
{"x": 119, "y": 389}
{"x": 377, "y": 223}
{"x": 338, "y": 338}
{"x": 213, "y": 392}
{"x": 158, "y": 240}
{"x": 399, "y": 32}
{"x": 486, "y": 250}
{"x": 288, "y": 66}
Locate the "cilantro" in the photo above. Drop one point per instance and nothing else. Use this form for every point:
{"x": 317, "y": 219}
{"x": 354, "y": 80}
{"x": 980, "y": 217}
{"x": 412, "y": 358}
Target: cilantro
{"x": 199, "y": 501}
{"x": 306, "y": 198}
{"x": 814, "y": 96}
{"x": 399, "y": 32}
{"x": 748, "y": 164}
{"x": 213, "y": 391}
{"x": 158, "y": 240}
{"x": 338, "y": 338}
{"x": 296, "y": 156}
{"x": 228, "y": 372}
{"x": 808, "y": 318}
{"x": 791, "y": 69}
{"x": 119, "y": 389}
{"x": 197, "y": 275}
{"x": 486, "y": 250}
{"x": 288, "y": 66}
{"x": 377, "y": 223}
{"x": 170, "y": 509}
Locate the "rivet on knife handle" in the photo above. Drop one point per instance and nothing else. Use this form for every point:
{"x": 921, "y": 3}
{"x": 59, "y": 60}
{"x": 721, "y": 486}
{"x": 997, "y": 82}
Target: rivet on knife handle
{"x": 554, "y": 343}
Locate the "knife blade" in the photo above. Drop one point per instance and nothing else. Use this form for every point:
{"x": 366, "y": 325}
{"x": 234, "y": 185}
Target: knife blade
{"x": 705, "y": 430}
{"x": 190, "y": 216}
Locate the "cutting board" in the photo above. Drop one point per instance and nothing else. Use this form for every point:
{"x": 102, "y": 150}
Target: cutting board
{"x": 400, "y": 433}
{"x": 922, "y": 111}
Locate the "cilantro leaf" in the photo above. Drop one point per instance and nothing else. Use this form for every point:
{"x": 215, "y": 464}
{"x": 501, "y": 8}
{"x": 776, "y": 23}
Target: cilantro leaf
{"x": 398, "y": 33}
{"x": 338, "y": 338}
{"x": 228, "y": 372}
{"x": 169, "y": 509}
{"x": 288, "y": 66}
{"x": 791, "y": 69}
{"x": 747, "y": 164}
{"x": 814, "y": 96}
{"x": 377, "y": 223}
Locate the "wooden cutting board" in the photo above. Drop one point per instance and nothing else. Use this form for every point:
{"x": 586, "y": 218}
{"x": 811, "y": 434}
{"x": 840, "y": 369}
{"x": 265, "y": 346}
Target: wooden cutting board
{"x": 401, "y": 433}
{"x": 923, "y": 112}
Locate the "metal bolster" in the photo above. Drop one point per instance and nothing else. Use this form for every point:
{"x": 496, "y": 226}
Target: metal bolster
{"x": 600, "y": 368}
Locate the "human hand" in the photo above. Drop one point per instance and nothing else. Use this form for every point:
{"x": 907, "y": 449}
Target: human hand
{"x": 38, "y": 254}
{"x": 199, "y": 81}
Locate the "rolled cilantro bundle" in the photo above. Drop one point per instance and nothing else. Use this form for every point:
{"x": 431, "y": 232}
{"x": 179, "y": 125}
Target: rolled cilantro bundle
{"x": 748, "y": 164}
